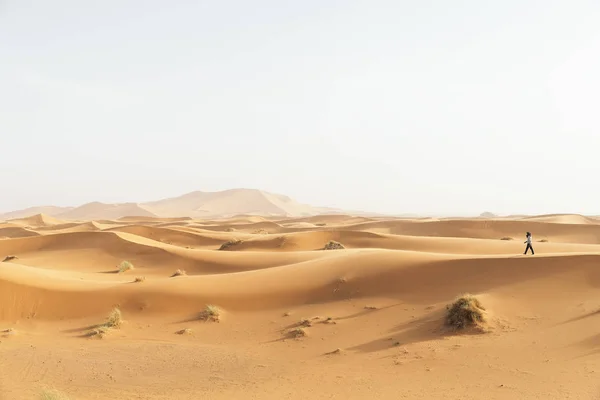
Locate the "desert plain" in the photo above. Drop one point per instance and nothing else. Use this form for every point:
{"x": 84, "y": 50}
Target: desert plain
{"x": 253, "y": 307}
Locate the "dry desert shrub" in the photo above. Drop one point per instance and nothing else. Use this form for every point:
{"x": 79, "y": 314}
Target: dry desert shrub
{"x": 544, "y": 241}
{"x": 466, "y": 312}
{"x": 230, "y": 243}
{"x": 333, "y": 245}
{"x": 186, "y": 331}
{"x": 100, "y": 332}
{"x": 125, "y": 266}
{"x": 506, "y": 238}
{"x": 211, "y": 313}
{"x": 298, "y": 333}
{"x": 305, "y": 322}
{"x": 179, "y": 272}
{"x": 139, "y": 279}
{"x": 9, "y": 258}
{"x": 52, "y": 394}
{"x": 260, "y": 232}
{"x": 115, "y": 319}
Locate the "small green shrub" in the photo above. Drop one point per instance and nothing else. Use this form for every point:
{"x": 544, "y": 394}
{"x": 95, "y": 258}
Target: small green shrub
{"x": 125, "y": 266}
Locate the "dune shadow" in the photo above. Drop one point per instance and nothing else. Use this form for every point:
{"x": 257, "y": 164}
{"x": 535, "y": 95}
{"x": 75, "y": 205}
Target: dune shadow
{"x": 366, "y": 311}
{"x": 580, "y": 318}
{"x": 112, "y": 271}
{"x": 428, "y": 328}
{"x": 592, "y": 343}
{"x": 84, "y": 328}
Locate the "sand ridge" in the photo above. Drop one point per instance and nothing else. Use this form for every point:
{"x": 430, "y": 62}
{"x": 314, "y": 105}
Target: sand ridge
{"x": 373, "y": 312}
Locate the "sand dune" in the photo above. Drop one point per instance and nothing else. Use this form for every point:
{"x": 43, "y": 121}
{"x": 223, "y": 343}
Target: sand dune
{"x": 37, "y": 221}
{"x": 375, "y": 309}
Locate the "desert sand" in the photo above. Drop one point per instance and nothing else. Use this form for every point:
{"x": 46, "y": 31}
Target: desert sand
{"x": 293, "y": 321}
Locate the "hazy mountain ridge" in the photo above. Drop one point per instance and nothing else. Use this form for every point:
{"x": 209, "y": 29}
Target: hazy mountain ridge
{"x": 196, "y": 204}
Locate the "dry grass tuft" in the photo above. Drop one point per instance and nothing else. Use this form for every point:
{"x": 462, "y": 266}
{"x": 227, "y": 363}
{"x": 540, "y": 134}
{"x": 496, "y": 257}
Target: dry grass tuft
{"x": 507, "y": 238}
{"x": 115, "y": 319}
{"x": 211, "y": 313}
{"x": 9, "y": 258}
{"x": 99, "y": 332}
{"x": 544, "y": 241}
{"x": 52, "y": 394}
{"x": 333, "y": 245}
{"x": 8, "y": 332}
{"x": 230, "y": 243}
{"x": 139, "y": 279}
{"x": 466, "y": 312}
{"x": 125, "y": 266}
{"x": 298, "y": 333}
{"x": 186, "y": 331}
{"x": 305, "y": 322}
{"x": 179, "y": 272}
{"x": 260, "y": 232}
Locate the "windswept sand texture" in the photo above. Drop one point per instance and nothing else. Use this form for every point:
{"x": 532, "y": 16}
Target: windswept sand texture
{"x": 288, "y": 320}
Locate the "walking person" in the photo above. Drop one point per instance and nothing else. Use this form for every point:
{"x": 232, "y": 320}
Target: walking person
{"x": 528, "y": 241}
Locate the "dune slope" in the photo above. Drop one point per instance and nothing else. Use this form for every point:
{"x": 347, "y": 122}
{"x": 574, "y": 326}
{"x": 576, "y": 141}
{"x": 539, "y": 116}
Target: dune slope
{"x": 296, "y": 321}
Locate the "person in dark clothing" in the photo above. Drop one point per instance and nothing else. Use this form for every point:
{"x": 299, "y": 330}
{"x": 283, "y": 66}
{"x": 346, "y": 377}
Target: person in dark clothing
{"x": 529, "y": 246}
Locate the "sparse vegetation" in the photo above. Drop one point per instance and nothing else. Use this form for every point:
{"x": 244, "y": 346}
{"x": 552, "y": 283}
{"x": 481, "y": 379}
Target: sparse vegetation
{"x": 186, "y": 331}
{"x": 282, "y": 241}
{"x": 125, "y": 266}
{"x": 52, "y": 394}
{"x": 544, "y": 241}
{"x": 115, "y": 318}
{"x": 506, "y": 238}
{"x": 333, "y": 245}
{"x": 9, "y": 258}
{"x": 139, "y": 279}
{"x": 370, "y": 308}
{"x": 466, "y": 311}
{"x": 260, "y": 232}
{"x": 298, "y": 333}
{"x": 179, "y": 272}
{"x": 320, "y": 224}
{"x": 211, "y": 313}
{"x": 305, "y": 322}
{"x": 8, "y": 332}
{"x": 230, "y": 243}
{"x": 100, "y": 332}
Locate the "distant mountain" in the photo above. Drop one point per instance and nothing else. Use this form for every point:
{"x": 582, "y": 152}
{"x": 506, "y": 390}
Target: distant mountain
{"x": 198, "y": 204}
{"x": 229, "y": 203}
{"x": 28, "y": 212}
{"x": 96, "y": 210}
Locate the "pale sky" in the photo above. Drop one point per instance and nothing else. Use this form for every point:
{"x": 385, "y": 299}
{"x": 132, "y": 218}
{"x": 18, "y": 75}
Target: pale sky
{"x": 429, "y": 106}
